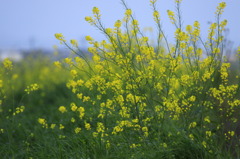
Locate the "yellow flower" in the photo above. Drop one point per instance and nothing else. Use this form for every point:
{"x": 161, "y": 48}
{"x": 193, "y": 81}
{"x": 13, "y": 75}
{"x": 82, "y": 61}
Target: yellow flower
{"x": 133, "y": 146}
{"x": 128, "y": 12}
{"x": 60, "y": 37}
{"x": 88, "y": 19}
{"x": 178, "y": 1}
{"x": 57, "y": 64}
{"x": 73, "y": 120}
{"x": 41, "y": 121}
{"x": 2, "y": 131}
{"x": 87, "y": 126}
{"x": 74, "y": 43}
{"x": 171, "y": 16}
{"x": 73, "y": 107}
{"x": 7, "y": 64}
{"x": 192, "y": 98}
{"x": 88, "y": 38}
{"x": 118, "y": 23}
{"x": 207, "y": 119}
{"x": 73, "y": 73}
{"x": 81, "y": 112}
{"x": 192, "y": 125}
{"x": 77, "y": 130}
{"x": 191, "y": 136}
{"x": 208, "y": 133}
{"x": 95, "y": 10}
{"x": 62, "y": 109}
{"x": 61, "y": 126}
{"x": 204, "y": 144}
{"x": 52, "y": 126}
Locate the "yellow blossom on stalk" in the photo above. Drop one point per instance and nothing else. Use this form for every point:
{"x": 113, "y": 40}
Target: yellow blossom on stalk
{"x": 31, "y": 88}
{"x": 86, "y": 98}
{"x": 192, "y": 125}
{"x": 7, "y": 63}
{"x": 204, "y": 144}
{"x": 100, "y": 127}
{"x": 192, "y": 98}
{"x": 81, "y": 112}
{"x": 2, "y": 131}
{"x": 53, "y": 126}
{"x": 62, "y": 109}
{"x": 223, "y": 24}
{"x": 118, "y": 24}
{"x": 80, "y": 82}
{"x": 189, "y": 29}
{"x": 232, "y": 133}
{"x": 208, "y": 133}
{"x": 216, "y": 51}
{"x": 117, "y": 129}
{"x": 73, "y": 73}
{"x": 128, "y": 12}
{"x": 178, "y": 1}
{"x": 153, "y": 1}
{"x": 135, "y": 22}
{"x": 88, "y": 19}
{"x": 135, "y": 120}
{"x": 191, "y": 136}
{"x": 145, "y": 130}
{"x": 171, "y": 16}
{"x": 60, "y": 37}
{"x": 77, "y": 130}
{"x": 133, "y": 146}
{"x": 164, "y": 145}
{"x": 73, "y": 120}
{"x": 156, "y": 16}
{"x": 220, "y": 8}
{"x": 88, "y": 38}
{"x": 80, "y": 95}
{"x": 196, "y": 31}
{"x": 95, "y": 10}
{"x": 207, "y": 119}
{"x": 96, "y": 58}
{"x": 74, "y": 43}
{"x": 68, "y": 60}
{"x": 57, "y": 64}
{"x": 19, "y": 110}
{"x": 61, "y": 137}
{"x": 41, "y": 120}
{"x": 108, "y": 145}
{"x": 87, "y": 126}
{"x": 61, "y": 126}
{"x": 73, "y": 107}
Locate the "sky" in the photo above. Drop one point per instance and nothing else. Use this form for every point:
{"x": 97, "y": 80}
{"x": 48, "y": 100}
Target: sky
{"x": 31, "y": 24}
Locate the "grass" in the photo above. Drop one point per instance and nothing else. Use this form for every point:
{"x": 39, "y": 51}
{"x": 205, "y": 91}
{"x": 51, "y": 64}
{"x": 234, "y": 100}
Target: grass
{"x": 128, "y": 99}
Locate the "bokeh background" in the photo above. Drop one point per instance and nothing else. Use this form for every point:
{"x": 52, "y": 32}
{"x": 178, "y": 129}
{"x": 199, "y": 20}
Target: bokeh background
{"x": 28, "y": 24}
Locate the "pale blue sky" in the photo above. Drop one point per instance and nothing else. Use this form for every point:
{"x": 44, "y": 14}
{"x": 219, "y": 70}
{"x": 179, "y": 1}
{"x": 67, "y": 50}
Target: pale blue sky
{"x": 23, "y": 22}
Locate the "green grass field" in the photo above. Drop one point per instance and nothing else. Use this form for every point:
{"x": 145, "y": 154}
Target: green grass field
{"x": 126, "y": 98}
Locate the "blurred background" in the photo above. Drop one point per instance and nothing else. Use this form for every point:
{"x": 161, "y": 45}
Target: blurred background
{"x": 28, "y": 25}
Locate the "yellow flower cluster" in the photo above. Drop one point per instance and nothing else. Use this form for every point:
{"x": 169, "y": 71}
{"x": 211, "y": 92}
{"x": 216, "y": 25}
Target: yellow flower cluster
{"x": 131, "y": 87}
{"x": 7, "y": 63}
{"x": 43, "y": 122}
{"x": 19, "y": 110}
{"x": 32, "y": 88}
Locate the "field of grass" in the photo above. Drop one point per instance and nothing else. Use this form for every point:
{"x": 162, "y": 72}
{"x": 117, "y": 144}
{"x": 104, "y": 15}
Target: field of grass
{"x": 126, "y": 98}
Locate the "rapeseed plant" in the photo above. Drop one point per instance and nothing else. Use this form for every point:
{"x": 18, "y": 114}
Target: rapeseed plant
{"x": 131, "y": 94}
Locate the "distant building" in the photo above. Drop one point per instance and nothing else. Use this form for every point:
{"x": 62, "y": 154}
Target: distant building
{"x": 14, "y": 55}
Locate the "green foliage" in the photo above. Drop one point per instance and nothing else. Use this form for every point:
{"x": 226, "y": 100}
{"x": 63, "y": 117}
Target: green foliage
{"x": 128, "y": 99}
